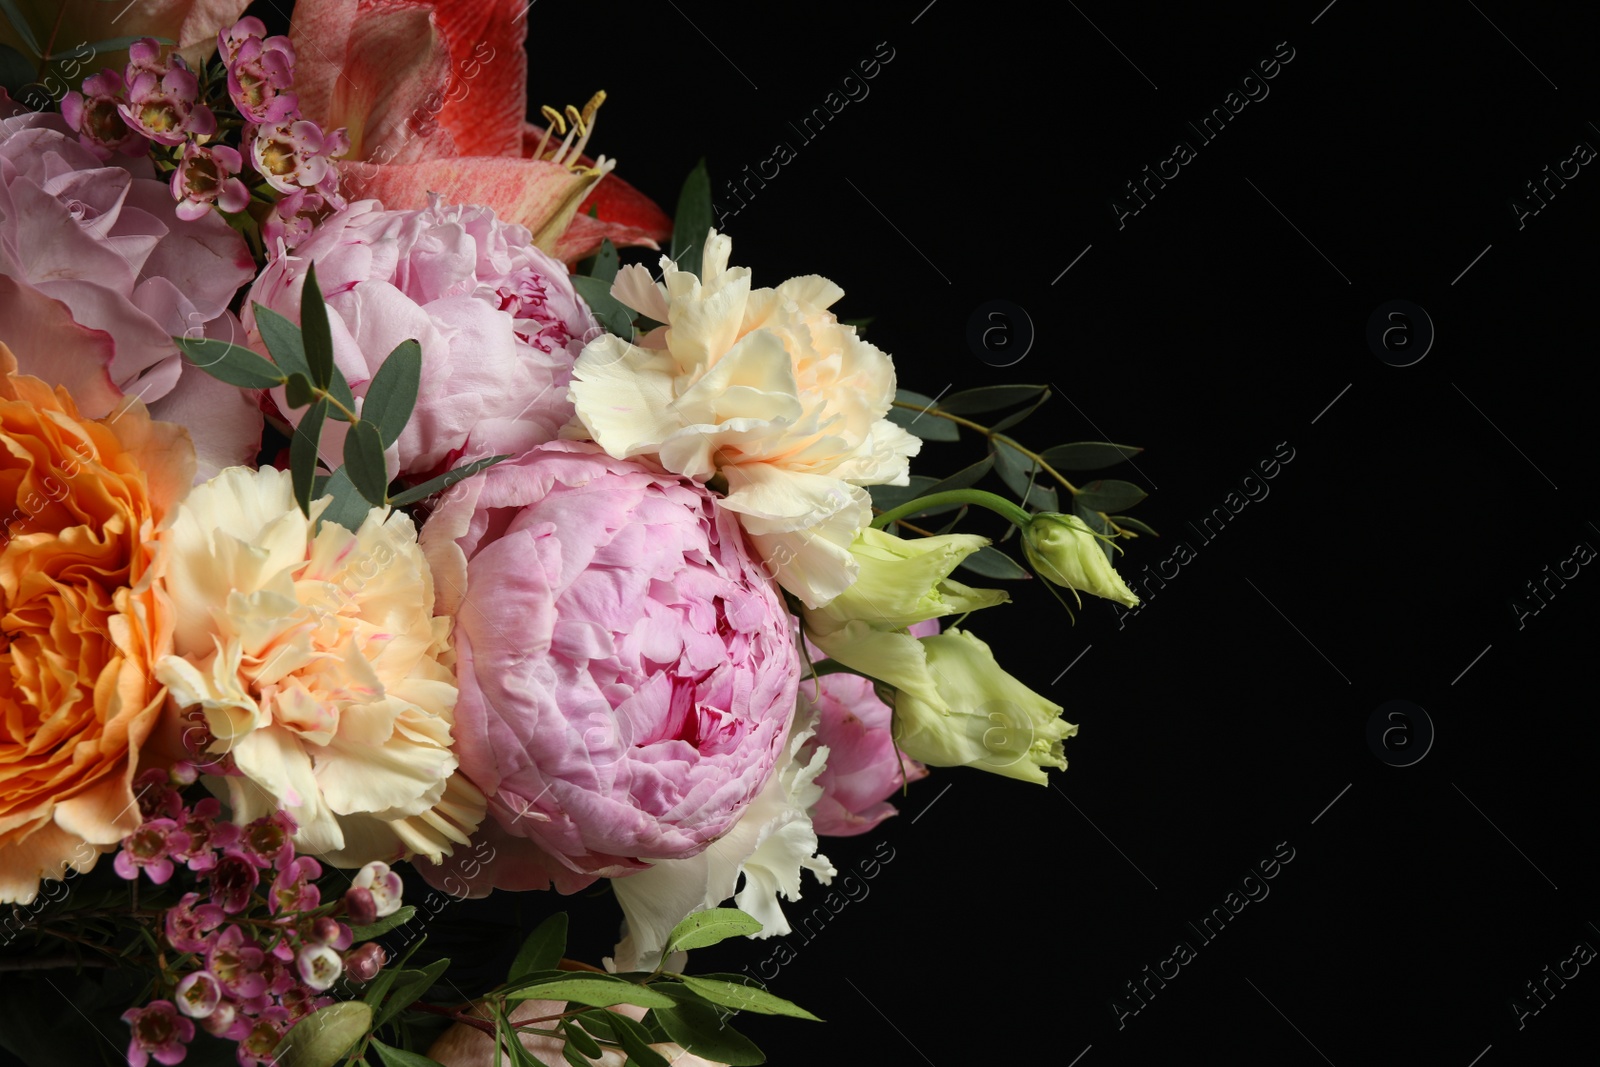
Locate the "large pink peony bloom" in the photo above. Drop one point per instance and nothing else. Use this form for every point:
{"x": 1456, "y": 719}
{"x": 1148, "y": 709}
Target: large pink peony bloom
{"x": 499, "y": 323}
{"x": 98, "y": 273}
{"x": 627, "y": 669}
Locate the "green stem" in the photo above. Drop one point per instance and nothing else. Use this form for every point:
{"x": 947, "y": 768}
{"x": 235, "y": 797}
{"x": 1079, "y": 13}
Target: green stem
{"x": 993, "y": 436}
{"x": 998, "y": 504}
{"x": 323, "y": 394}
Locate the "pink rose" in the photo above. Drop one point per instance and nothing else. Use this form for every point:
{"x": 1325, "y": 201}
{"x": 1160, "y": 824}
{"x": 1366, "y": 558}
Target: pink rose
{"x": 98, "y": 273}
{"x": 627, "y": 668}
{"x": 498, "y": 320}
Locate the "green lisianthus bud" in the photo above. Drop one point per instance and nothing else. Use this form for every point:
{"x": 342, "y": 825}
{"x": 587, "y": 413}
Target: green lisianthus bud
{"x": 982, "y": 717}
{"x": 1065, "y": 551}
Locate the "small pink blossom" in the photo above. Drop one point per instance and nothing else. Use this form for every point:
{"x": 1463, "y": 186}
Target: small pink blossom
{"x": 163, "y": 104}
{"x": 144, "y": 57}
{"x": 320, "y": 966}
{"x": 159, "y": 1032}
{"x": 206, "y": 176}
{"x": 289, "y": 154}
{"x": 266, "y": 838}
{"x": 157, "y": 798}
{"x": 293, "y": 888}
{"x": 206, "y": 835}
{"x": 232, "y": 880}
{"x": 93, "y": 114}
{"x": 365, "y": 962}
{"x": 199, "y": 994}
{"x": 188, "y": 922}
{"x": 331, "y": 932}
{"x": 149, "y": 848}
{"x": 260, "y": 73}
{"x": 226, "y": 1022}
{"x": 231, "y": 39}
{"x": 255, "y": 1049}
{"x": 290, "y": 221}
{"x": 302, "y": 1001}
{"x": 236, "y": 963}
{"x": 384, "y": 885}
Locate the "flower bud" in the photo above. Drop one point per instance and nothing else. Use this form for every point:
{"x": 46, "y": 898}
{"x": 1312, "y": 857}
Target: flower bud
{"x": 364, "y": 963}
{"x": 1065, "y": 551}
{"x": 360, "y": 906}
{"x": 198, "y": 995}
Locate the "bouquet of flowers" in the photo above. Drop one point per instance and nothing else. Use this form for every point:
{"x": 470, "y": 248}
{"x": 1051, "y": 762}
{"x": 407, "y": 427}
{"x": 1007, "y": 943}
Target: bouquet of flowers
{"x": 370, "y": 524}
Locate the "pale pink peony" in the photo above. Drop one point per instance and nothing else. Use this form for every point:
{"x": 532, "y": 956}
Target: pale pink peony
{"x": 498, "y": 320}
{"x": 98, "y": 273}
{"x": 627, "y": 668}
{"x": 864, "y": 767}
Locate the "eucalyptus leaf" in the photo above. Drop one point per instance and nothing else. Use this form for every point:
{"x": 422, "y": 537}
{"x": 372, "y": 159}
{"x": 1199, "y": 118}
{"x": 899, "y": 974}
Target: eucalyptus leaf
{"x": 592, "y": 989}
{"x": 606, "y": 262}
{"x": 1022, "y": 477}
{"x": 298, "y": 391}
{"x": 1088, "y": 455}
{"x": 692, "y": 220}
{"x": 348, "y": 509}
{"x": 1133, "y": 524}
{"x": 19, "y": 22}
{"x": 542, "y": 949}
{"x": 118, "y": 44}
{"x": 708, "y": 927}
{"x": 303, "y": 453}
{"x": 323, "y": 1038}
{"x": 363, "y": 458}
{"x": 392, "y": 393}
{"x": 574, "y": 1057}
{"x": 923, "y": 424}
{"x": 743, "y": 997}
{"x": 444, "y": 481}
{"x": 231, "y": 363}
{"x": 314, "y": 332}
{"x": 990, "y": 562}
{"x": 965, "y": 478}
{"x": 399, "y": 1057}
{"x": 887, "y": 497}
{"x": 1110, "y": 495}
{"x": 613, "y": 314}
{"x": 988, "y": 398}
{"x": 579, "y": 1038}
{"x": 702, "y": 1028}
{"x": 15, "y": 70}
{"x": 636, "y": 1043}
{"x": 1017, "y": 416}
{"x": 384, "y": 925}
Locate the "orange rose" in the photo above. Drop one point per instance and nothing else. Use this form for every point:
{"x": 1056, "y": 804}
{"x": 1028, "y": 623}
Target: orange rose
{"x": 83, "y": 621}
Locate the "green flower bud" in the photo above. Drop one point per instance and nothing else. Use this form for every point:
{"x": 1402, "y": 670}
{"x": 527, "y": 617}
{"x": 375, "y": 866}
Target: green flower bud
{"x": 1065, "y": 551}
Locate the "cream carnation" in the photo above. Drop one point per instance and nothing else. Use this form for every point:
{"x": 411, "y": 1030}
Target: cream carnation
{"x": 764, "y": 387}
{"x": 315, "y": 655}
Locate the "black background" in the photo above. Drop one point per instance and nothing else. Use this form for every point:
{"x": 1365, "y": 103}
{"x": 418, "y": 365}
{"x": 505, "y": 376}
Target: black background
{"x": 1222, "y": 325}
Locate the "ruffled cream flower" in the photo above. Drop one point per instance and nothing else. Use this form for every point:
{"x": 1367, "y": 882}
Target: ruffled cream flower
{"x": 317, "y": 660}
{"x": 764, "y": 387}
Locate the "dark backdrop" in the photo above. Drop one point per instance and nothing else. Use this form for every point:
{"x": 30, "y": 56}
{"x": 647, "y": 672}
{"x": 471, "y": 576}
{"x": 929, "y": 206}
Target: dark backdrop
{"x": 1227, "y": 727}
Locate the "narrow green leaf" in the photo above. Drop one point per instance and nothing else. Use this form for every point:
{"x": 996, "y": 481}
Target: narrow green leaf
{"x": 887, "y": 497}
{"x": 592, "y": 990}
{"x": 384, "y": 925}
{"x": 636, "y": 1043}
{"x": 283, "y": 340}
{"x": 605, "y": 262}
{"x": 574, "y": 1057}
{"x": 399, "y": 1057}
{"x": 925, "y": 425}
{"x": 692, "y": 220}
{"x": 19, "y": 22}
{"x": 1133, "y": 524}
{"x": 363, "y": 458}
{"x": 303, "y": 453}
{"x": 1110, "y": 495}
{"x": 314, "y": 332}
{"x": 702, "y": 1028}
{"x": 1017, "y": 416}
{"x": 990, "y": 562}
{"x": 965, "y": 478}
{"x": 323, "y": 1037}
{"x": 379, "y": 987}
{"x": 708, "y": 927}
{"x": 230, "y": 363}
{"x": 409, "y": 986}
{"x": 392, "y": 393}
{"x": 1088, "y": 455}
{"x": 988, "y": 398}
{"x": 543, "y": 948}
{"x": 743, "y": 997}
{"x": 117, "y": 44}
{"x": 613, "y": 314}
{"x": 1022, "y": 477}
{"x": 599, "y": 1023}
{"x": 529, "y": 978}
{"x": 444, "y": 481}
{"x": 579, "y": 1039}
{"x": 348, "y": 509}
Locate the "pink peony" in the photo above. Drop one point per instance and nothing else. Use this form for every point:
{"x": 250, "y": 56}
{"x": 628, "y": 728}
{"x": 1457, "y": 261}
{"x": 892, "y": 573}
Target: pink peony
{"x": 627, "y": 669}
{"x": 499, "y": 323}
{"x": 98, "y": 273}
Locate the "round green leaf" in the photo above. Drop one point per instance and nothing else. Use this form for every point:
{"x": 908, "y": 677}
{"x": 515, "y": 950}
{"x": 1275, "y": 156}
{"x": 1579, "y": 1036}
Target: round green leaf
{"x": 322, "y": 1038}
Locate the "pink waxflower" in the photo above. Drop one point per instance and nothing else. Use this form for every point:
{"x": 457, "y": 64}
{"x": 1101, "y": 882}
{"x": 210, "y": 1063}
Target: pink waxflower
{"x": 199, "y": 994}
{"x": 498, "y": 320}
{"x": 150, "y": 848}
{"x": 256, "y": 1047}
{"x": 206, "y": 835}
{"x": 144, "y": 57}
{"x": 233, "y": 879}
{"x": 319, "y": 966}
{"x": 384, "y": 885}
{"x": 302, "y": 1000}
{"x": 265, "y": 840}
{"x": 94, "y": 114}
{"x": 365, "y": 962}
{"x": 230, "y": 40}
{"x": 237, "y": 963}
{"x": 260, "y": 73}
{"x": 361, "y": 906}
{"x": 226, "y": 1021}
{"x": 163, "y": 100}
{"x": 158, "y": 1032}
{"x": 188, "y": 922}
{"x": 864, "y": 768}
{"x": 290, "y": 221}
{"x": 157, "y": 799}
{"x": 326, "y": 930}
{"x": 627, "y": 668}
{"x": 206, "y": 176}
{"x": 294, "y": 889}
{"x": 289, "y": 154}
